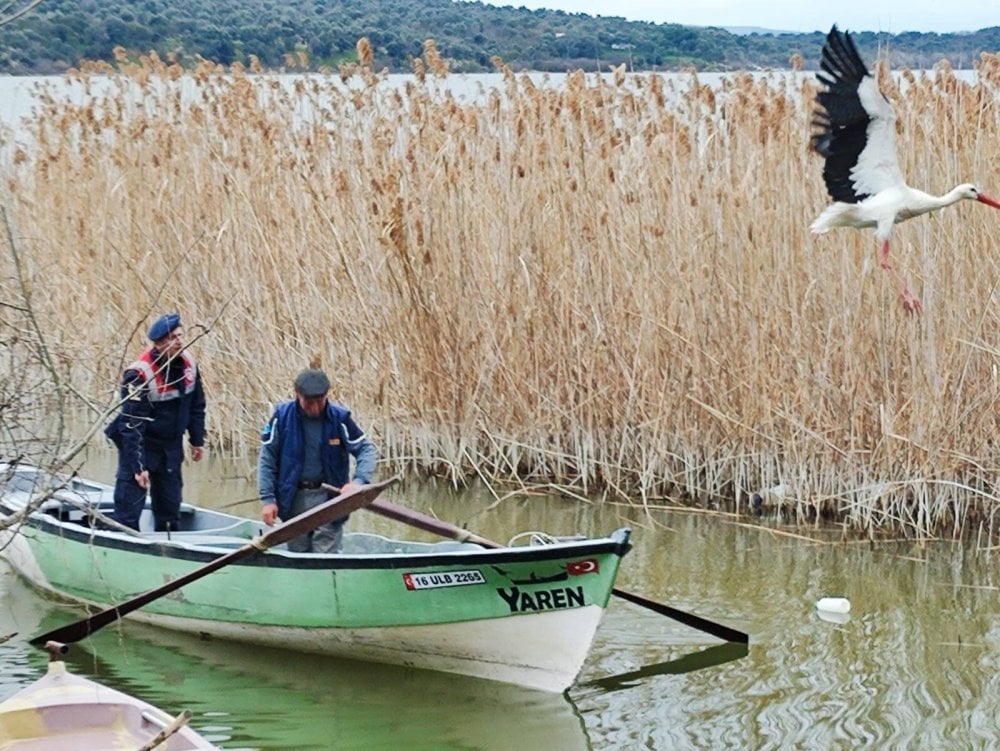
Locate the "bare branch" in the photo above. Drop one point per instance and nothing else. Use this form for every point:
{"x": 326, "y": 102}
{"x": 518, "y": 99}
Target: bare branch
{"x": 9, "y": 13}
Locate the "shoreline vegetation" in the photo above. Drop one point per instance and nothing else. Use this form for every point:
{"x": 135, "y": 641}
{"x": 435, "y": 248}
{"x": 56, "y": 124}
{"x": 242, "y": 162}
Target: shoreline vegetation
{"x": 313, "y": 36}
{"x": 606, "y": 289}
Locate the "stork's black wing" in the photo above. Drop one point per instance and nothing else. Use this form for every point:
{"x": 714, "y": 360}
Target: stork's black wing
{"x": 854, "y": 125}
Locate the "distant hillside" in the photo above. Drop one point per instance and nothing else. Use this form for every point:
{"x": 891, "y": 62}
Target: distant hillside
{"x": 317, "y": 33}
{"x": 743, "y": 30}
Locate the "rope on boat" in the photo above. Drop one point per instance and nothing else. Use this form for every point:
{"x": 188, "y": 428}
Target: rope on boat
{"x": 259, "y": 544}
{"x": 536, "y": 538}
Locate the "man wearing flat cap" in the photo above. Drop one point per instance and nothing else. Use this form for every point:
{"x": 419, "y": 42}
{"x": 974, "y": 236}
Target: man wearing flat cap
{"x": 309, "y": 442}
{"x": 162, "y": 399}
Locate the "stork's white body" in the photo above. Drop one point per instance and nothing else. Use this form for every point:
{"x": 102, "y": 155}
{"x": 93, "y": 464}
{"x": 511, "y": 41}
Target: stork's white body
{"x": 884, "y": 209}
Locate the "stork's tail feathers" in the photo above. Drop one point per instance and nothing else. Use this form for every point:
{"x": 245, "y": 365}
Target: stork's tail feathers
{"x": 835, "y": 215}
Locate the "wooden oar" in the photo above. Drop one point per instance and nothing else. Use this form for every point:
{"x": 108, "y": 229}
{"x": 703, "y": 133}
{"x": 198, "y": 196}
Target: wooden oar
{"x": 334, "y": 509}
{"x": 430, "y": 524}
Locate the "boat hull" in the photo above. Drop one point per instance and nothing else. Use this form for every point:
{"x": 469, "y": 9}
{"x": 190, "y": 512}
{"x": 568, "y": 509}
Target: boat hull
{"x": 524, "y": 615}
{"x": 479, "y": 648}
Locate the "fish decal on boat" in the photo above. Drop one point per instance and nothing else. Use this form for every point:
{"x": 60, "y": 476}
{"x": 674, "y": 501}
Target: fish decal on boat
{"x": 572, "y": 568}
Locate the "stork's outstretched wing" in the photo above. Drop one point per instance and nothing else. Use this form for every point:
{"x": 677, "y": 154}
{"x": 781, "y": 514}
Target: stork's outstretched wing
{"x": 854, "y": 124}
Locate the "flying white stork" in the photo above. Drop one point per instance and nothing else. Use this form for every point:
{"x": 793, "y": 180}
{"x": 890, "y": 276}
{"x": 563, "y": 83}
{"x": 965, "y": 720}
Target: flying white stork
{"x": 855, "y": 132}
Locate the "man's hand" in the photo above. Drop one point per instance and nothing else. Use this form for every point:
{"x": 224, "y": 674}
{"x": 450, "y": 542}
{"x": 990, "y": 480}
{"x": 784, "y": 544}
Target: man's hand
{"x": 269, "y": 513}
{"x": 196, "y": 453}
{"x": 142, "y": 479}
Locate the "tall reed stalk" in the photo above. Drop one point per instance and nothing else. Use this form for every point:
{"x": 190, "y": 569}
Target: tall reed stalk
{"x": 609, "y": 284}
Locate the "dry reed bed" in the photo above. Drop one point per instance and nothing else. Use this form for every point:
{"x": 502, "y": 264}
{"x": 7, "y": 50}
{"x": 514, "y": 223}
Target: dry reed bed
{"x": 610, "y": 285}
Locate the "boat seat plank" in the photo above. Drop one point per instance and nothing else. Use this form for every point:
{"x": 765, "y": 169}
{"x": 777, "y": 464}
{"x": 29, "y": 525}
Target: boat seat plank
{"x": 198, "y": 539}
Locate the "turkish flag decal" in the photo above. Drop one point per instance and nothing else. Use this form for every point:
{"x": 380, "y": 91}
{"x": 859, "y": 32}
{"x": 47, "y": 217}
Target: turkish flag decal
{"x": 586, "y": 566}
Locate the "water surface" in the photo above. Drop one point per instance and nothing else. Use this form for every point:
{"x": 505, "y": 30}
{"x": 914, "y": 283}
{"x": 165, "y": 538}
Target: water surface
{"x": 916, "y": 664}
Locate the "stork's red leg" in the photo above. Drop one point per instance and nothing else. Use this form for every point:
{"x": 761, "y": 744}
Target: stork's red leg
{"x": 911, "y": 303}
{"x": 883, "y": 257}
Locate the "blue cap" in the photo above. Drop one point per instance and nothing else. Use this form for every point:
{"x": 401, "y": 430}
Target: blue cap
{"x": 163, "y": 325}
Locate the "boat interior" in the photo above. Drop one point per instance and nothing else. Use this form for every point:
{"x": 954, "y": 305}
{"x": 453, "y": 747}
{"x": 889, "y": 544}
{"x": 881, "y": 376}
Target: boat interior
{"x": 91, "y": 505}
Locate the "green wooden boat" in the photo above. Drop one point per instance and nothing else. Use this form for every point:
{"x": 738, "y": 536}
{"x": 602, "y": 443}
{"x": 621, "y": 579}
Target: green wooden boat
{"x": 524, "y": 614}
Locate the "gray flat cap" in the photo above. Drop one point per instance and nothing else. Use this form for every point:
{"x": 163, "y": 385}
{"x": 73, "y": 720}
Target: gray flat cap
{"x": 312, "y": 383}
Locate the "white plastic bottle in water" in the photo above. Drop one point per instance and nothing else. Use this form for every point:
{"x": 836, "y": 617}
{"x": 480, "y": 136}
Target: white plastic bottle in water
{"x": 834, "y": 604}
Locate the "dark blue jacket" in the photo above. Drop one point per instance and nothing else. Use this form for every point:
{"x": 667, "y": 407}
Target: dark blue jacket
{"x": 280, "y": 465}
{"x": 158, "y": 423}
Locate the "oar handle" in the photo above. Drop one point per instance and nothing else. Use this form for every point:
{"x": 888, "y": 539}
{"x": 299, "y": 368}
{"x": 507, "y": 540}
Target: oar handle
{"x": 428, "y": 523}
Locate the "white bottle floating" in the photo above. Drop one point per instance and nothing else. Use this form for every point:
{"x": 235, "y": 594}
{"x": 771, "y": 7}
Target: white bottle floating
{"x": 839, "y": 605}
{"x": 838, "y": 618}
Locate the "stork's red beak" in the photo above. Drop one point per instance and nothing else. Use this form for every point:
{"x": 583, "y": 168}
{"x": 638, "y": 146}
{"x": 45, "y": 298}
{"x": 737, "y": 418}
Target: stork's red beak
{"x": 988, "y": 201}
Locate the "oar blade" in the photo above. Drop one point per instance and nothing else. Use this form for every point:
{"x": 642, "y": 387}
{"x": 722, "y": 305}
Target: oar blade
{"x": 77, "y": 631}
{"x": 688, "y": 619}
{"x": 335, "y": 508}
{"x": 332, "y": 510}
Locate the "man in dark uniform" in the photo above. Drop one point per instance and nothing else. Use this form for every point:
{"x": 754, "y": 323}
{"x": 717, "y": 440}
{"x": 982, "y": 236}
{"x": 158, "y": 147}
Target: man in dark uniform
{"x": 309, "y": 442}
{"x": 162, "y": 399}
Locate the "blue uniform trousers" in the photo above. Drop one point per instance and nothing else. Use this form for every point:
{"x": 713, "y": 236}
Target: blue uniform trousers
{"x": 163, "y": 462}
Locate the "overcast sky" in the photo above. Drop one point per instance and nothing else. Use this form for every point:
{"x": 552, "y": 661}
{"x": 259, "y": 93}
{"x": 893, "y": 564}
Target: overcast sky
{"x": 792, "y": 15}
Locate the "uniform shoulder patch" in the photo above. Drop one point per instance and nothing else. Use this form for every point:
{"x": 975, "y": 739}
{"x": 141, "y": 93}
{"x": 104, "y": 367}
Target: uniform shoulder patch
{"x": 267, "y": 432}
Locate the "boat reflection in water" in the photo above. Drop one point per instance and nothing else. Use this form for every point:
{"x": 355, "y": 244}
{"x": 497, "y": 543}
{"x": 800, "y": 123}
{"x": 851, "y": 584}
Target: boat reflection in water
{"x": 244, "y": 697}
{"x": 264, "y": 698}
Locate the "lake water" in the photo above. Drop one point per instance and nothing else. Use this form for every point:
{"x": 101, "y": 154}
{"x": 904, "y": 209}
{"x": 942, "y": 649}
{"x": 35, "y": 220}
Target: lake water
{"x": 915, "y": 665}
{"x": 18, "y": 93}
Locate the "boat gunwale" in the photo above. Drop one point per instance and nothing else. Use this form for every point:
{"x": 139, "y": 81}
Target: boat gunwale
{"x": 187, "y": 550}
